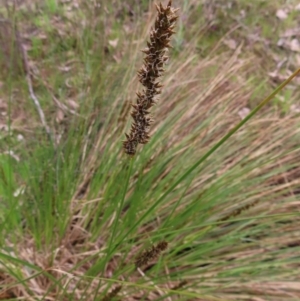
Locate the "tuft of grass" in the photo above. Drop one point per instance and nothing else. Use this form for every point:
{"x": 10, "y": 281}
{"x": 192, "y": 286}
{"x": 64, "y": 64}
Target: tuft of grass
{"x": 75, "y": 214}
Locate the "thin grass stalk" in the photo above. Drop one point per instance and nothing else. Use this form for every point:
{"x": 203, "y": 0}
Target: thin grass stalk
{"x": 97, "y": 267}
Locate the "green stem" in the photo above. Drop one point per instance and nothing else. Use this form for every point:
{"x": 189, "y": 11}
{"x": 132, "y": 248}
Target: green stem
{"x": 94, "y": 270}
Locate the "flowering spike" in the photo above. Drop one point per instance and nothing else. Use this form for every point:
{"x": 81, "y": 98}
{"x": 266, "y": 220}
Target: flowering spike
{"x": 152, "y": 69}
{"x": 151, "y": 254}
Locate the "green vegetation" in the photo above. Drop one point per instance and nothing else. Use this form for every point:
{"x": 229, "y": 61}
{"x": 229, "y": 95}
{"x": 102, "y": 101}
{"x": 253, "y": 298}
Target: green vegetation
{"x": 193, "y": 215}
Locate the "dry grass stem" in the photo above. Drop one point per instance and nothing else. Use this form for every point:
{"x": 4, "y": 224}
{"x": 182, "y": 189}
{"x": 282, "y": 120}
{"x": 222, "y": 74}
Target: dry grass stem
{"x": 149, "y": 74}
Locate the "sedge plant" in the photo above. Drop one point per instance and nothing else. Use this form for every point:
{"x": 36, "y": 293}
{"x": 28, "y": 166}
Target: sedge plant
{"x": 205, "y": 210}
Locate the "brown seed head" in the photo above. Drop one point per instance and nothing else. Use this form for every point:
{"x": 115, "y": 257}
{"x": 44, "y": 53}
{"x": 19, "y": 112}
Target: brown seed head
{"x": 152, "y": 69}
{"x": 238, "y": 211}
{"x": 150, "y": 254}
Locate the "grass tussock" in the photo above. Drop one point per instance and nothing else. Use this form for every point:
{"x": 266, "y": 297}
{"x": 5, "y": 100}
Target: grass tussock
{"x": 77, "y": 218}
